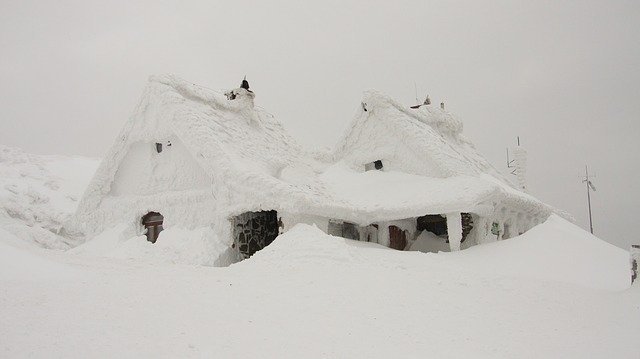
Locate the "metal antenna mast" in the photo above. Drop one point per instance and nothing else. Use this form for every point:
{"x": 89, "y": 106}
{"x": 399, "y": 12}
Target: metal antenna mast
{"x": 509, "y": 161}
{"x": 590, "y": 187}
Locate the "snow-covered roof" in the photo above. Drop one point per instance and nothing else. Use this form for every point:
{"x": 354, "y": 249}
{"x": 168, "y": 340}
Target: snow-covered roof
{"x": 227, "y": 138}
{"x": 431, "y": 133}
{"x": 248, "y": 153}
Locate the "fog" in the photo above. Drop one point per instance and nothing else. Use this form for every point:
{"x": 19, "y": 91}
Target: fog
{"x": 561, "y": 75}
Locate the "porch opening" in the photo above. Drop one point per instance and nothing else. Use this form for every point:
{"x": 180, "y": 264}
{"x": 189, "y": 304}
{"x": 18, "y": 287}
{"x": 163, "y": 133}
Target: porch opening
{"x": 152, "y": 221}
{"x": 253, "y": 231}
{"x": 433, "y": 223}
{"x": 343, "y": 229}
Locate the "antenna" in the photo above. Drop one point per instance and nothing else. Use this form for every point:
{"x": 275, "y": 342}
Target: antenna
{"x": 415, "y": 88}
{"x": 590, "y": 187}
{"x": 509, "y": 161}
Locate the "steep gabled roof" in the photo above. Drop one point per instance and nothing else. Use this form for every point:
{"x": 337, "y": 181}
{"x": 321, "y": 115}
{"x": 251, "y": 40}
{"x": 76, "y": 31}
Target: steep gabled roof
{"x": 434, "y": 137}
{"x": 432, "y": 134}
{"x": 248, "y": 154}
{"x": 227, "y": 138}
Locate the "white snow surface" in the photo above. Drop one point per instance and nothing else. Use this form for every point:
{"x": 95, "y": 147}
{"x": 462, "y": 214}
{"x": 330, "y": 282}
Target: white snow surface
{"x": 38, "y": 193}
{"x": 555, "y": 292}
{"x": 176, "y": 245}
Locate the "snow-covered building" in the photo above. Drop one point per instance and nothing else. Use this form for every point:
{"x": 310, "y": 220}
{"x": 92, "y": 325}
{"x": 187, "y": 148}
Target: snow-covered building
{"x": 403, "y": 177}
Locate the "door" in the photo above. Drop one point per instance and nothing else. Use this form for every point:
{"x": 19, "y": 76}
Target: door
{"x": 397, "y": 238}
{"x": 153, "y": 223}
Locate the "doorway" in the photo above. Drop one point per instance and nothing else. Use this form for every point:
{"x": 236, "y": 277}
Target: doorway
{"x": 397, "y": 238}
{"x": 152, "y": 221}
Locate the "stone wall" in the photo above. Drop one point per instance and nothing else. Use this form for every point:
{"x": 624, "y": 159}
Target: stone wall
{"x": 253, "y": 231}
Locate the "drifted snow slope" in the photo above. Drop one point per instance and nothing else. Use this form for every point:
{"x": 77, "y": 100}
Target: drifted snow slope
{"x": 313, "y": 295}
{"x": 38, "y": 194}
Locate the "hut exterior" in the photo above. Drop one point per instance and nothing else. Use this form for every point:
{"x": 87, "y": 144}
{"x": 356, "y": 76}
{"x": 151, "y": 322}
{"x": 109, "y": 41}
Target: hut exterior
{"x": 193, "y": 158}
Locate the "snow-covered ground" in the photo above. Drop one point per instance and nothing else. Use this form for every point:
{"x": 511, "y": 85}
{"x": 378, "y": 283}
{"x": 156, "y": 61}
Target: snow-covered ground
{"x": 313, "y": 295}
{"x": 39, "y": 193}
{"x": 554, "y": 292}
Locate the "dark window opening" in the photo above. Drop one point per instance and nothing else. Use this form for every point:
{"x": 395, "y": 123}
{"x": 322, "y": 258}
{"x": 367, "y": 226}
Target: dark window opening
{"x": 495, "y": 229}
{"x": 467, "y": 225}
{"x": 437, "y": 225}
{"x": 433, "y": 223}
{"x": 344, "y": 230}
{"x": 371, "y": 232}
{"x": 158, "y": 147}
{"x": 152, "y": 221}
{"x": 375, "y": 165}
{"x": 252, "y": 231}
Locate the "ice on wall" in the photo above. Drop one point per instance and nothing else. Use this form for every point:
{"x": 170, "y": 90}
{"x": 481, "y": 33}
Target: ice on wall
{"x": 227, "y": 157}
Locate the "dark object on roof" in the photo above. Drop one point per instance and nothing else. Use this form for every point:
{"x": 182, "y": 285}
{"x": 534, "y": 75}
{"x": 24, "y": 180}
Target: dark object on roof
{"x": 245, "y": 84}
{"x": 427, "y": 101}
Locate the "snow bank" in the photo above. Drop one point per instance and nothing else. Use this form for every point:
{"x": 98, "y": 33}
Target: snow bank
{"x": 311, "y": 295}
{"x": 39, "y": 193}
{"x": 20, "y": 261}
{"x": 428, "y": 242}
{"x": 555, "y": 250}
{"x": 199, "y": 246}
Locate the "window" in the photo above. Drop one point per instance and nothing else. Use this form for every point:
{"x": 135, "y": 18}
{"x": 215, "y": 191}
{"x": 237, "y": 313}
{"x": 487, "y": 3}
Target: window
{"x": 152, "y": 221}
{"x": 343, "y": 229}
{"x": 158, "y": 147}
{"x": 433, "y": 223}
{"x": 375, "y": 165}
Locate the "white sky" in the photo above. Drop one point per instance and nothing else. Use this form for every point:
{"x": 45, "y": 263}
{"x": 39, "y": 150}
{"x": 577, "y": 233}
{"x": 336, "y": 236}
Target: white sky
{"x": 563, "y": 75}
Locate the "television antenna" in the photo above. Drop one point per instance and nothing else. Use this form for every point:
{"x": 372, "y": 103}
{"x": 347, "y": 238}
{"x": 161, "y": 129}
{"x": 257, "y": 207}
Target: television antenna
{"x": 510, "y": 162}
{"x": 590, "y": 187}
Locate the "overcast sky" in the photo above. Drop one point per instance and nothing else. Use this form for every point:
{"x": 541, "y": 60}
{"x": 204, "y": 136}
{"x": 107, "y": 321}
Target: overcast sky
{"x": 562, "y": 75}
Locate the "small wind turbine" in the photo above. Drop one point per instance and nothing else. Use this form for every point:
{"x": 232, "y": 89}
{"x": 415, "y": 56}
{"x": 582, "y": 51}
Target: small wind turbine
{"x": 590, "y": 187}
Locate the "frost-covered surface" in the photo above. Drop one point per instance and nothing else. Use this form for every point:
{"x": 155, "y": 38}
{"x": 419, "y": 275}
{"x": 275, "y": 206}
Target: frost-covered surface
{"x": 175, "y": 245}
{"x": 39, "y": 193}
{"x": 222, "y": 157}
{"x": 556, "y": 292}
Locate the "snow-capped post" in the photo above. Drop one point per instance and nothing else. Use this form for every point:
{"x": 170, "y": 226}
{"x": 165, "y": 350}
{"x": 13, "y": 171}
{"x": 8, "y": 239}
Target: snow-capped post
{"x": 454, "y": 230}
{"x": 519, "y": 165}
{"x": 635, "y": 259}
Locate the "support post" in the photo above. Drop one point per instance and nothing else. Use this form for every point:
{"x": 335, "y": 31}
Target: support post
{"x": 454, "y": 230}
{"x": 635, "y": 261}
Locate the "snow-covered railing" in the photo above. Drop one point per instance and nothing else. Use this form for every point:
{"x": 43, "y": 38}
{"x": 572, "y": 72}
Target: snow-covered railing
{"x": 635, "y": 259}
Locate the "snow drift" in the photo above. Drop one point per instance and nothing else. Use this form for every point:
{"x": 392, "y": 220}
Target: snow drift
{"x": 312, "y": 295}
